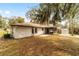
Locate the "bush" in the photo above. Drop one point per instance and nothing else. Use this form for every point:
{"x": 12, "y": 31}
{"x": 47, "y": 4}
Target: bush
{"x": 8, "y": 36}
{"x": 59, "y": 31}
{"x": 75, "y": 31}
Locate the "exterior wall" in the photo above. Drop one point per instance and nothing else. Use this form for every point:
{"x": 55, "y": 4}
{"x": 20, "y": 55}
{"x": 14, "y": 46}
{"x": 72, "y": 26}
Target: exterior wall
{"x": 40, "y": 31}
{"x": 20, "y": 32}
{"x": 64, "y": 31}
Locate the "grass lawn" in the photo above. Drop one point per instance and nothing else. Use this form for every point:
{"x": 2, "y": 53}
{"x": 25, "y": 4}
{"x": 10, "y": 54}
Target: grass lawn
{"x": 40, "y": 45}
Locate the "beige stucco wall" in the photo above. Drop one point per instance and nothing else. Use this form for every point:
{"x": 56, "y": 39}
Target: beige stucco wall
{"x": 20, "y": 32}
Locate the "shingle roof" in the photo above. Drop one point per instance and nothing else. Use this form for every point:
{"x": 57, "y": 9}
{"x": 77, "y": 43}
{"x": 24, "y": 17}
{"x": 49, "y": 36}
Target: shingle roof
{"x": 31, "y": 25}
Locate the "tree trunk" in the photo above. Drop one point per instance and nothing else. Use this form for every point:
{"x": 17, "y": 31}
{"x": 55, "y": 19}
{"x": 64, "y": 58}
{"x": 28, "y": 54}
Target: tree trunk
{"x": 55, "y": 28}
{"x": 72, "y": 28}
{"x": 54, "y": 23}
{"x": 71, "y": 25}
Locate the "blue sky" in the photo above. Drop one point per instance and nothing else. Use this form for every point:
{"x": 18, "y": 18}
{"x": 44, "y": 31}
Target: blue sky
{"x": 16, "y": 9}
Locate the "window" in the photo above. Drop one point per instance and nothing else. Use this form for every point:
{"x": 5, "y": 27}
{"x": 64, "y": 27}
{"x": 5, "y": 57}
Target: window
{"x": 35, "y": 30}
{"x": 42, "y": 29}
{"x": 32, "y": 30}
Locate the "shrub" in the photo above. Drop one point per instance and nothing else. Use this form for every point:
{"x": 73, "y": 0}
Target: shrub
{"x": 59, "y": 31}
{"x": 8, "y": 36}
{"x": 75, "y": 31}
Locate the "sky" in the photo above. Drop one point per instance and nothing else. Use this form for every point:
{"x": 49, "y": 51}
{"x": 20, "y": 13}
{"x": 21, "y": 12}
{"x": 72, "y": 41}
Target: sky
{"x": 16, "y": 9}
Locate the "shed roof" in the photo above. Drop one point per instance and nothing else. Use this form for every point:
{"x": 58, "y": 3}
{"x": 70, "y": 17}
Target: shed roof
{"x": 31, "y": 25}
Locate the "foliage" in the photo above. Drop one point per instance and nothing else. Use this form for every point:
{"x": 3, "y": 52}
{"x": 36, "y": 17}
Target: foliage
{"x": 20, "y": 20}
{"x": 56, "y": 12}
{"x": 3, "y": 22}
{"x": 2, "y": 32}
{"x": 16, "y": 20}
{"x": 7, "y": 36}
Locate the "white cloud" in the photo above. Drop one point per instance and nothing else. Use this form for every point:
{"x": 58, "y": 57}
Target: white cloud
{"x": 1, "y": 11}
{"x": 7, "y": 12}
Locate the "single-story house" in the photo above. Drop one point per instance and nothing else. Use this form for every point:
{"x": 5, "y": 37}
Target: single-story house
{"x": 21, "y": 30}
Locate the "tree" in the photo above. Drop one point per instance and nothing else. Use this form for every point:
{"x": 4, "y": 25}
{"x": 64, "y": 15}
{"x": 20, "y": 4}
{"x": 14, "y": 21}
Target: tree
{"x": 32, "y": 14}
{"x": 1, "y": 21}
{"x": 39, "y": 15}
{"x": 42, "y": 15}
{"x": 73, "y": 13}
{"x": 20, "y": 20}
{"x": 12, "y": 20}
{"x": 15, "y": 20}
{"x": 59, "y": 12}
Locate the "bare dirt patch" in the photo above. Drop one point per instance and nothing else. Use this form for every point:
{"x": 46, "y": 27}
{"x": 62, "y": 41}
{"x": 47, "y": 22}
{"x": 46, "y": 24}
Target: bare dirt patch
{"x": 50, "y": 45}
